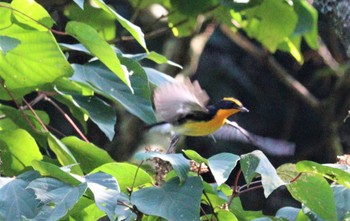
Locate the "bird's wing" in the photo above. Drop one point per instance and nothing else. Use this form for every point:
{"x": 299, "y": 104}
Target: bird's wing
{"x": 232, "y": 131}
{"x": 177, "y": 99}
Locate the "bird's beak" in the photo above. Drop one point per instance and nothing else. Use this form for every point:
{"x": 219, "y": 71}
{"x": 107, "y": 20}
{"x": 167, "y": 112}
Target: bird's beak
{"x": 243, "y": 109}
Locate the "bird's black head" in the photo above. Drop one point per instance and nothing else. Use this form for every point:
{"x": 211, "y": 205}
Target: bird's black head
{"x": 230, "y": 103}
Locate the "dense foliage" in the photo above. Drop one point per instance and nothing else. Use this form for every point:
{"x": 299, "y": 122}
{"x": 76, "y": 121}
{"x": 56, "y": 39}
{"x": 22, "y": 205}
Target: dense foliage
{"x": 46, "y": 178}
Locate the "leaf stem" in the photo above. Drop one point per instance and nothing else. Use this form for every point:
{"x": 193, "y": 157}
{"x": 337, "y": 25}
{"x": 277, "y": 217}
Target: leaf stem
{"x": 76, "y": 128}
{"x": 27, "y": 16}
{"x": 35, "y": 114}
{"x": 134, "y": 180}
{"x": 19, "y": 107}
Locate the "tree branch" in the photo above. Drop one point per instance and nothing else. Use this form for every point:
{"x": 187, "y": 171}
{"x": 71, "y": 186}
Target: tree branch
{"x": 278, "y": 70}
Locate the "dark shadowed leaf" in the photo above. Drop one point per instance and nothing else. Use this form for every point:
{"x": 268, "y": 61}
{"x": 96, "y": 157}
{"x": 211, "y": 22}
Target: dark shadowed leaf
{"x": 100, "y": 79}
{"x": 174, "y": 200}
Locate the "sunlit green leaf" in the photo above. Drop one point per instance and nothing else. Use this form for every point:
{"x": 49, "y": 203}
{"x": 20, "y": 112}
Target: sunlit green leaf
{"x": 134, "y": 30}
{"x": 51, "y": 170}
{"x": 88, "y": 155}
{"x": 127, "y": 175}
{"x": 315, "y": 193}
{"x": 103, "y": 22}
{"x": 64, "y": 156}
{"x": 18, "y": 150}
{"x": 34, "y": 62}
{"x": 31, "y": 13}
{"x": 331, "y": 173}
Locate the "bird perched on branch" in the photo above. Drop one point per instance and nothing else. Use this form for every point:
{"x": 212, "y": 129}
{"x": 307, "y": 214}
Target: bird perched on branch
{"x": 182, "y": 106}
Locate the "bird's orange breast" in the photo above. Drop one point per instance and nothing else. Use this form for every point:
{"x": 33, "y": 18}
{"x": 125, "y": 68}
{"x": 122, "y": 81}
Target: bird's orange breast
{"x": 204, "y": 128}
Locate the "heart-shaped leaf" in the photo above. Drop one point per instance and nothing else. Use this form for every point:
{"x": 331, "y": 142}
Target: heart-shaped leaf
{"x": 172, "y": 201}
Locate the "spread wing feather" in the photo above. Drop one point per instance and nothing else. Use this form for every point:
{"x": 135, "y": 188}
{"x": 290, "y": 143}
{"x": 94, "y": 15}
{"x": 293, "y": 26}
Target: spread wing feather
{"x": 232, "y": 131}
{"x": 175, "y": 100}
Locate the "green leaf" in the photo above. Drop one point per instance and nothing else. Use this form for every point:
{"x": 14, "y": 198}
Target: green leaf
{"x": 7, "y": 44}
{"x": 88, "y": 155}
{"x": 105, "y": 83}
{"x": 174, "y": 200}
{"x": 263, "y": 25}
{"x": 103, "y": 22}
{"x": 49, "y": 169}
{"x": 289, "y": 213}
{"x": 85, "y": 209}
{"x": 18, "y": 150}
{"x": 180, "y": 164}
{"x": 64, "y": 156}
{"x": 106, "y": 192}
{"x": 134, "y": 30}
{"x": 256, "y": 162}
{"x": 128, "y": 175}
{"x": 32, "y": 14}
{"x": 80, "y": 3}
{"x": 193, "y": 155}
{"x": 307, "y": 22}
{"x": 100, "y": 112}
{"x": 89, "y": 37}
{"x": 315, "y": 193}
{"x": 342, "y": 201}
{"x": 36, "y": 61}
{"x": 157, "y": 77}
{"x": 221, "y": 166}
{"x": 287, "y": 172}
{"x": 6, "y": 14}
{"x": 56, "y": 197}
{"x": 16, "y": 200}
{"x": 335, "y": 174}
{"x": 17, "y": 120}
{"x": 241, "y": 214}
{"x": 226, "y": 215}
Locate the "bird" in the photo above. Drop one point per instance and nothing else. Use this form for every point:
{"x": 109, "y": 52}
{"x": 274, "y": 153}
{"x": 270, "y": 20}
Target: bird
{"x": 183, "y": 108}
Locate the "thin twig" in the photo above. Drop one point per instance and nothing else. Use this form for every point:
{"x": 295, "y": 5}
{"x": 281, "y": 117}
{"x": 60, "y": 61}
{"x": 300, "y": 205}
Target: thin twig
{"x": 135, "y": 175}
{"x": 235, "y": 187}
{"x": 19, "y": 107}
{"x": 210, "y": 204}
{"x": 35, "y": 114}
{"x": 76, "y": 128}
